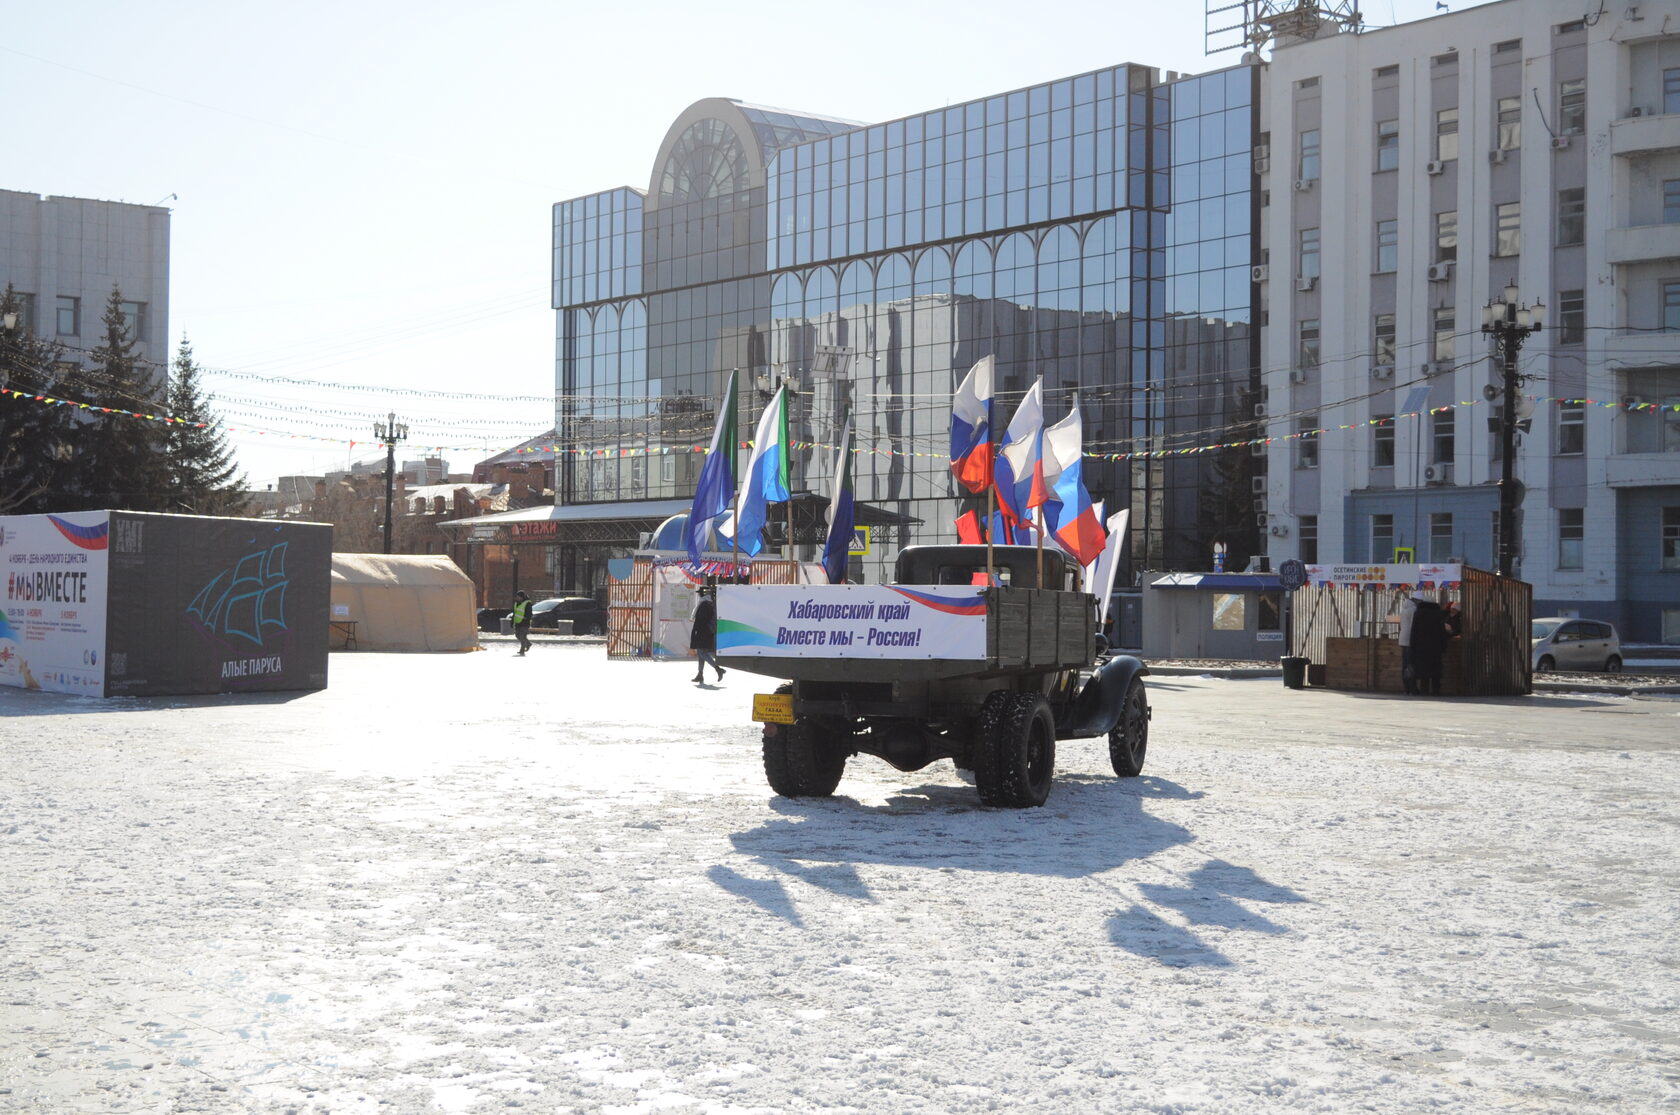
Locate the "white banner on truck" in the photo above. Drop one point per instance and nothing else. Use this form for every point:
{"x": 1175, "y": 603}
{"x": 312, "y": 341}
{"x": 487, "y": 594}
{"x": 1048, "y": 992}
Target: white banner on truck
{"x": 851, "y": 621}
{"x": 52, "y": 618}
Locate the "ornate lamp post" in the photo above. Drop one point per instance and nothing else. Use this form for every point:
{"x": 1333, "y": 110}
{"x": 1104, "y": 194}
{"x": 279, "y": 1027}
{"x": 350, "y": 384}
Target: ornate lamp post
{"x": 1509, "y": 322}
{"x": 390, "y": 432}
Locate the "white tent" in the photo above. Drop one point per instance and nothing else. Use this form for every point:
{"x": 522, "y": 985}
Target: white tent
{"x": 401, "y": 602}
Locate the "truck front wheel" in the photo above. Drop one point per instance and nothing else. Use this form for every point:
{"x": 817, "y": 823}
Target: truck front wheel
{"x": 801, "y": 760}
{"x": 1128, "y": 740}
{"x": 1015, "y": 757}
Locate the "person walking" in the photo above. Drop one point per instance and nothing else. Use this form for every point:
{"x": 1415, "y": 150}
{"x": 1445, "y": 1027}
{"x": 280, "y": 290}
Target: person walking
{"x": 703, "y": 636}
{"x": 1429, "y": 646}
{"x": 522, "y": 621}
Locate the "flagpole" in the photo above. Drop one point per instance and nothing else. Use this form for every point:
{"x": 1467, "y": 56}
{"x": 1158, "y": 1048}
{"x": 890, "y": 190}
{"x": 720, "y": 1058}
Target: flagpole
{"x": 1040, "y": 511}
{"x": 991, "y": 494}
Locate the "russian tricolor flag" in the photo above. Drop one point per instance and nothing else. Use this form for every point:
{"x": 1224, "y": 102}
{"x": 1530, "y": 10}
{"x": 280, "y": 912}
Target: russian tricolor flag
{"x": 971, "y": 428}
{"x": 1068, "y": 512}
{"x": 1019, "y": 471}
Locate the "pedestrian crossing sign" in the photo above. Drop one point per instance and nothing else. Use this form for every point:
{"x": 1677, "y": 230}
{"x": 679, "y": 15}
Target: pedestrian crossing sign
{"x": 860, "y": 542}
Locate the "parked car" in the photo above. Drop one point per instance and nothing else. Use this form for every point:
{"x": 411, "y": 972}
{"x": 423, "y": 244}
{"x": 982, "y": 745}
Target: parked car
{"x": 588, "y": 617}
{"x": 490, "y": 619}
{"x": 1561, "y": 643}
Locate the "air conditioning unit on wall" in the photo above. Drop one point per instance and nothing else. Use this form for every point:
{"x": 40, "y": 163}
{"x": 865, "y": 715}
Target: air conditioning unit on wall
{"x": 1440, "y": 272}
{"x": 1259, "y": 273}
{"x": 1559, "y": 142}
{"x": 1260, "y": 519}
{"x": 1303, "y": 184}
{"x": 1438, "y": 474}
{"x": 1382, "y": 371}
{"x": 1497, "y": 155}
{"x": 1434, "y": 167}
{"x": 1306, "y": 282}
{"x": 1258, "y": 483}
{"x": 1297, "y": 375}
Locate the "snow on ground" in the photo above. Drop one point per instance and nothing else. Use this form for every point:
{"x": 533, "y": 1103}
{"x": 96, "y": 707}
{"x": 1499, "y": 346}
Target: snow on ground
{"x": 476, "y": 883}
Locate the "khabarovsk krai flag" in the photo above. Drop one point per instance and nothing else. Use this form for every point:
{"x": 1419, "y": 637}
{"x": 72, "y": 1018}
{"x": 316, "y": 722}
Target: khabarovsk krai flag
{"x": 971, "y": 428}
{"x": 841, "y": 512}
{"x": 1109, "y": 563}
{"x": 1018, "y": 472}
{"x": 1068, "y": 512}
{"x": 766, "y": 481}
{"x": 716, "y": 489}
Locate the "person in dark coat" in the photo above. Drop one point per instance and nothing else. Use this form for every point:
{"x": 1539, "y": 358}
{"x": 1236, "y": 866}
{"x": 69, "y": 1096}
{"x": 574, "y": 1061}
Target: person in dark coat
{"x": 1429, "y": 644}
{"x": 703, "y": 635}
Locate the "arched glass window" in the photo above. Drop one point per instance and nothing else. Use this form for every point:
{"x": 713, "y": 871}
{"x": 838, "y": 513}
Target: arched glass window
{"x": 707, "y": 161}
{"x": 1014, "y": 269}
{"x": 1058, "y": 269}
{"x": 933, "y": 272}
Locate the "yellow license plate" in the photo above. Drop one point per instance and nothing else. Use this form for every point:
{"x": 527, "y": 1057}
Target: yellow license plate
{"x": 773, "y": 708}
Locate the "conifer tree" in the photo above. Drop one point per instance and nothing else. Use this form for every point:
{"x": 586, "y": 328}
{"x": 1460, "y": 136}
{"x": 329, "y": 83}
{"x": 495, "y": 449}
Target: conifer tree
{"x": 120, "y": 462}
{"x": 35, "y": 437}
{"x": 203, "y": 478}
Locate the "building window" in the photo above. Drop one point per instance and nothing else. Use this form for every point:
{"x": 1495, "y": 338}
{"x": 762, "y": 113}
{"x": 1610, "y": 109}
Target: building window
{"x": 1382, "y": 538}
{"x": 1383, "y": 344}
{"x": 25, "y": 310}
{"x": 1572, "y": 428}
{"x": 1388, "y": 71}
{"x": 1388, "y": 144}
{"x": 1308, "y": 165}
{"x": 1670, "y": 537}
{"x": 69, "y": 316}
{"x": 1671, "y": 90}
{"x": 1572, "y": 106}
{"x": 1441, "y": 436}
{"x": 1572, "y": 317}
{"x": 1446, "y": 336}
{"x": 1670, "y": 306}
{"x": 1309, "y": 537}
{"x": 1388, "y": 246}
{"x": 1306, "y": 444}
{"x": 1446, "y": 134}
{"x": 1446, "y": 236}
{"x": 1671, "y": 201}
{"x": 1309, "y": 253}
{"x": 134, "y": 320}
{"x": 1571, "y": 216}
{"x": 1572, "y": 536}
{"x": 1309, "y": 343}
{"x": 1382, "y": 441}
{"x": 1507, "y": 229}
{"x": 1510, "y": 123}
{"x": 1440, "y": 536}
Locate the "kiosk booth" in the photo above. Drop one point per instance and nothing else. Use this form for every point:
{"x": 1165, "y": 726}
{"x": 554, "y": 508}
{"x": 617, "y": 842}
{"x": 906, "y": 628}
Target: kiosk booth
{"x": 1346, "y": 624}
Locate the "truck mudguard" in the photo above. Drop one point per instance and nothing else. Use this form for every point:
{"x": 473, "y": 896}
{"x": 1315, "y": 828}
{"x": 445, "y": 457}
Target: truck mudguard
{"x": 1099, "y": 704}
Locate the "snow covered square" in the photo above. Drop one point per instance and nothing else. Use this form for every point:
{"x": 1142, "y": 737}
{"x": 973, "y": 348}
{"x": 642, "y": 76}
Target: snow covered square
{"x": 476, "y": 883}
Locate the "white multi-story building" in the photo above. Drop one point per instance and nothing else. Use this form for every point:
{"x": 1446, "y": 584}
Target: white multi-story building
{"x": 1410, "y": 175}
{"x": 64, "y": 255}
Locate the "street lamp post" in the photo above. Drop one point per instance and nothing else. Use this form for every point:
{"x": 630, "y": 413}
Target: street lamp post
{"x": 1509, "y": 322}
{"x": 390, "y": 432}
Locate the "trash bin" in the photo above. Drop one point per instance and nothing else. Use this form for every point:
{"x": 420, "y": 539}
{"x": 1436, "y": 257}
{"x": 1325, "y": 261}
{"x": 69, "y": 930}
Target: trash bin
{"x": 1294, "y": 671}
{"x": 507, "y": 625}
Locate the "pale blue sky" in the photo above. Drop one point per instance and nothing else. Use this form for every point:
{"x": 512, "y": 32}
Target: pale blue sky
{"x": 364, "y": 188}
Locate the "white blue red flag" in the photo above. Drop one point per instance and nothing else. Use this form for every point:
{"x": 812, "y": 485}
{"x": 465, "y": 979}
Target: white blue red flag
{"x": 767, "y": 475}
{"x": 1068, "y": 512}
{"x": 715, "y": 490}
{"x": 1019, "y": 471}
{"x": 971, "y": 428}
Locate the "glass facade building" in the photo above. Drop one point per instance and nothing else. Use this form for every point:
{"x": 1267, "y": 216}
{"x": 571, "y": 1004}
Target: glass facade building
{"x": 1096, "y": 231}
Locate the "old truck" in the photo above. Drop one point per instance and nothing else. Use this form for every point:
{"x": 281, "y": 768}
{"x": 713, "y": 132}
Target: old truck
{"x": 949, "y": 661}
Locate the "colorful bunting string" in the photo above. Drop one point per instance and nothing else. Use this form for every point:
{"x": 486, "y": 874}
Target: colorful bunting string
{"x": 665, "y": 450}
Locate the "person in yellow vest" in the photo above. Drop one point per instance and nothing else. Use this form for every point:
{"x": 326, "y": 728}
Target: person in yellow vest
{"x": 522, "y": 620}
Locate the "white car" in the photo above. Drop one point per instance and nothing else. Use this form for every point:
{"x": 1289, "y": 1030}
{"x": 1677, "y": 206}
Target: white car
{"x": 1560, "y": 643}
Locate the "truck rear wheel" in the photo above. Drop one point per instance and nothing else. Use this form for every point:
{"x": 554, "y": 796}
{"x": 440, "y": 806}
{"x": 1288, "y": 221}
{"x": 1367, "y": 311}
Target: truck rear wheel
{"x": 1128, "y": 740}
{"x": 801, "y": 760}
{"x": 1015, "y": 757}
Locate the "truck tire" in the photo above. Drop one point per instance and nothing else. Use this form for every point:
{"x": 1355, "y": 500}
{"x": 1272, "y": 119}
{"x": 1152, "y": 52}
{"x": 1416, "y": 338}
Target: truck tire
{"x": 1015, "y": 757}
{"x": 801, "y": 760}
{"x": 1128, "y": 740}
